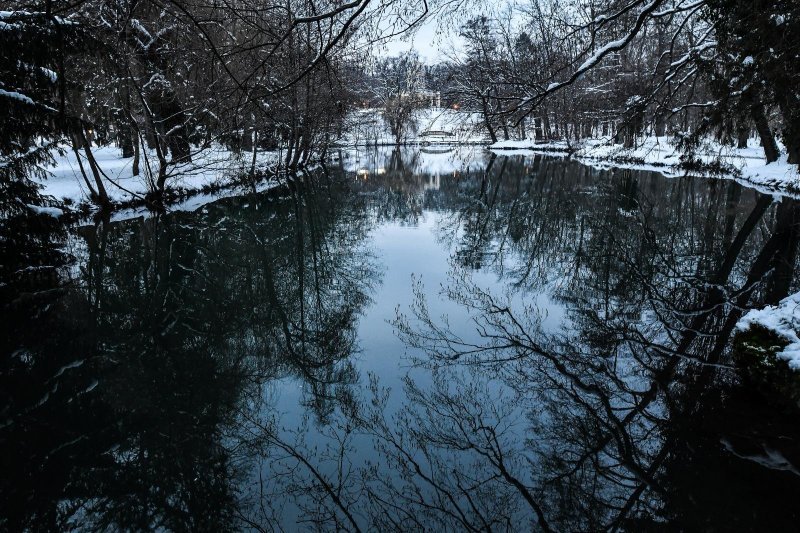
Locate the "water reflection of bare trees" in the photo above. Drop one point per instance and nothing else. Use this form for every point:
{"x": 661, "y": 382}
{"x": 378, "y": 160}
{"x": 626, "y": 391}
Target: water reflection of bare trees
{"x": 179, "y": 321}
{"x": 175, "y": 325}
{"x": 653, "y": 298}
{"x": 590, "y": 427}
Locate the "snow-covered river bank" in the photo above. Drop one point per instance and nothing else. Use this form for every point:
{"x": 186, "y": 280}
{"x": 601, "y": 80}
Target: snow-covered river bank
{"x": 215, "y": 169}
{"x": 395, "y": 327}
{"x": 747, "y": 165}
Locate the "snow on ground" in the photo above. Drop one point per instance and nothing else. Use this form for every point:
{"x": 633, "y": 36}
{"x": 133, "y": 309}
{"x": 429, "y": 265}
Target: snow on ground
{"x": 368, "y": 127}
{"x": 439, "y": 154}
{"x": 50, "y": 211}
{"x": 208, "y": 167}
{"x": 428, "y": 160}
{"x": 194, "y": 202}
{"x": 659, "y": 153}
{"x": 782, "y": 319}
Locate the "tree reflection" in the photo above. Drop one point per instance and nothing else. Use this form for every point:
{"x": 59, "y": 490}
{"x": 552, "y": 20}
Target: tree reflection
{"x": 596, "y": 425}
{"x": 160, "y": 349}
{"x": 654, "y": 288}
{"x": 599, "y": 424}
{"x": 149, "y": 405}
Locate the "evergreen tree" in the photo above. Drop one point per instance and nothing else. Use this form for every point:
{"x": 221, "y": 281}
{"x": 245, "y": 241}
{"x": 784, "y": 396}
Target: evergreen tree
{"x": 35, "y": 45}
{"x": 761, "y": 65}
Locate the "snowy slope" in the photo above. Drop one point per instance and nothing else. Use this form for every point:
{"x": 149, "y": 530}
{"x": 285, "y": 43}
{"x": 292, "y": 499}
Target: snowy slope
{"x": 782, "y": 319}
{"x": 65, "y": 181}
{"x": 659, "y": 153}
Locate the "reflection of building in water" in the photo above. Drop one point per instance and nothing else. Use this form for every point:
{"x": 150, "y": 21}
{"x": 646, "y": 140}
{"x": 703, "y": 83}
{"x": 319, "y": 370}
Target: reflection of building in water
{"x": 432, "y": 183}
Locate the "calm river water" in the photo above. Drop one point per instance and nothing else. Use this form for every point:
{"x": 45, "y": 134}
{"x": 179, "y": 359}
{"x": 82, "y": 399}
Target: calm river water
{"x": 440, "y": 340}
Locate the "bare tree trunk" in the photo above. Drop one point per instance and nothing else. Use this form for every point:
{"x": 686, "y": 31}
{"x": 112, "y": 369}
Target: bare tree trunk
{"x": 790, "y": 109}
{"x": 246, "y": 144}
{"x": 102, "y": 196}
{"x": 255, "y": 152}
{"x": 505, "y": 127}
{"x": 486, "y": 121}
{"x": 298, "y": 152}
{"x": 161, "y": 180}
{"x": 289, "y": 151}
{"x": 92, "y": 192}
{"x": 762, "y": 127}
{"x": 627, "y": 138}
{"x": 126, "y": 143}
{"x": 742, "y": 134}
{"x": 546, "y": 133}
{"x": 136, "y": 154}
{"x": 661, "y": 126}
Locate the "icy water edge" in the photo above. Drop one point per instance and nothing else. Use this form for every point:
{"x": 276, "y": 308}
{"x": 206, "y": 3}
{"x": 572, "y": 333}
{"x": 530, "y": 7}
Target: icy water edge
{"x": 409, "y": 340}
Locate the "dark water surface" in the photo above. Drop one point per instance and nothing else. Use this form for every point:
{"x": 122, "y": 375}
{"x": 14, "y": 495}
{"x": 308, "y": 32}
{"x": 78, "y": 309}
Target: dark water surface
{"x": 407, "y": 341}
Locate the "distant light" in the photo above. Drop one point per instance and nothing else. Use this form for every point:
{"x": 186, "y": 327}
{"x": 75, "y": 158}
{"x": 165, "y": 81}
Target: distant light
{"x": 455, "y": 106}
{"x": 381, "y": 171}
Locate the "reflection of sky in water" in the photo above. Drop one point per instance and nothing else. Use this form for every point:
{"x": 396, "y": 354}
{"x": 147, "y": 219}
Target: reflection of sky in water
{"x": 405, "y": 253}
{"x": 528, "y": 262}
{"x": 199, "y": 313}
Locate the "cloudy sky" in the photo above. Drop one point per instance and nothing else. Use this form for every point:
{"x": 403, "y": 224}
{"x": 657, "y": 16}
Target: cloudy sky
{"x": 431, "y": 42}
{"x": 438, "y": 38}
{"x": 426, "y": 41}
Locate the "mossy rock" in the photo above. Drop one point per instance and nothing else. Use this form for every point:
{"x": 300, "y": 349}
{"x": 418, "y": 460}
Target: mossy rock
{"x": 754, "y": 353}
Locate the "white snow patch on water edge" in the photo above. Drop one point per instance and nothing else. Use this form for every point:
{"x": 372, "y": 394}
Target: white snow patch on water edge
{"x": 433, "y": 125}
{"x": 49, "y": 211}
{"x": 782, "y": 319}
{"x": 208, "y": 167}
{"x": 660, "y": 153}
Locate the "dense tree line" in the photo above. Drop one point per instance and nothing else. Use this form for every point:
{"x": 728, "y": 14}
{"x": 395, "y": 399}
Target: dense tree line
{"x": 689, "y": 70}
{"x": 167, "y": 79}
{"x": 693, "y": 69}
